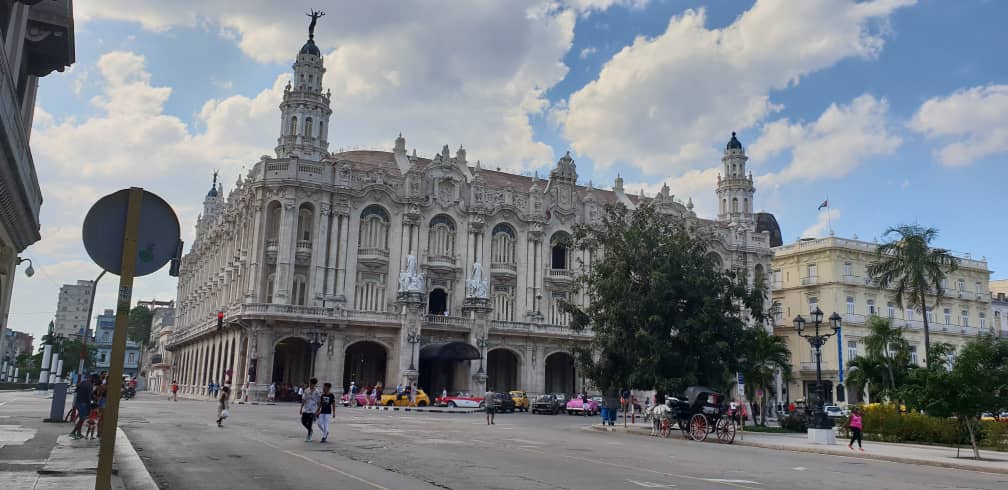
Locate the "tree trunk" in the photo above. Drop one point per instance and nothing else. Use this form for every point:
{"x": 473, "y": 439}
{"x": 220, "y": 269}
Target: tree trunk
{"x": 927, "y": 330}
{"x": 972, "y": 435}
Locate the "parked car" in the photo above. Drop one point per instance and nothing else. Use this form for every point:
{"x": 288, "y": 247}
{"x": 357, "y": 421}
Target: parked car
{"x": 503, "y": 403}
{"x": 359, "y": 400}
{"x": 390, "y": 400}
{"x": 520, "y": 399}
{"x": 576, "y": 407}
{"x": 833, "y": 411}
{"x": 987, "y": 416}
{"x": 547, "y": 404}
{"x": 460, "y": 399}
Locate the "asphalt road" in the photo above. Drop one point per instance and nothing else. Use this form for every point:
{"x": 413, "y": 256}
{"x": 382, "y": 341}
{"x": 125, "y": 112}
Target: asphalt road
{"x": 263, "y": 446}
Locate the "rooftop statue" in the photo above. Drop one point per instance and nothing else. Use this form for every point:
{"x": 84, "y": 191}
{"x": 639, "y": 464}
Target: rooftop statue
{"x": 315, "y": 14}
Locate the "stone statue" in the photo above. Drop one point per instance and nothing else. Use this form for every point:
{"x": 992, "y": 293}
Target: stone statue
{"x": 315, "y": 14}
{"x": 477, "y": 286}
{"x": 411, "y": 280}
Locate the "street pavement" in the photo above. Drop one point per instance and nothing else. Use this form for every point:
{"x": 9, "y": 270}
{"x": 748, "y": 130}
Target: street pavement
{"x": 262, "y": 446}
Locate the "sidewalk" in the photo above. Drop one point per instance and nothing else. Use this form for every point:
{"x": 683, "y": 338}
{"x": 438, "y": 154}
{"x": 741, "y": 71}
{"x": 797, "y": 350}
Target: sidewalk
{"x": 945, "y": 457}
{"x": 41, "y": 455}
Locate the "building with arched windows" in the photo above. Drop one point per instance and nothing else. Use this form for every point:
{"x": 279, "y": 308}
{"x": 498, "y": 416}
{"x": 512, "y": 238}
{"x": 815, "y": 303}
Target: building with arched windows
{"x": 306, "y": 257}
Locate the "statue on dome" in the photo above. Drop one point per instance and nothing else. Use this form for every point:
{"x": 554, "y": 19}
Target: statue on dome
{"x": 314, "y": 14}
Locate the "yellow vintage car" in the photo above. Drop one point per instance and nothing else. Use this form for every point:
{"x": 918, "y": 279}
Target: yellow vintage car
{"x": 389, "y": 400}
{"x": 521, "y": 400}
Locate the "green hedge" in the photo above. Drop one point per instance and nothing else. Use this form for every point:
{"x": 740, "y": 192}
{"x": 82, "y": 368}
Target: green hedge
{"x": 884, "y": 423}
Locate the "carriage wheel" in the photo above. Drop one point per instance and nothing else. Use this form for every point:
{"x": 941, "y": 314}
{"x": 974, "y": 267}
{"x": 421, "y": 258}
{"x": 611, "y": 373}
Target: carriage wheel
{"x": 698, "y": 427}
{"x": 666, "y": 427}
{"x": 726, "y": 430}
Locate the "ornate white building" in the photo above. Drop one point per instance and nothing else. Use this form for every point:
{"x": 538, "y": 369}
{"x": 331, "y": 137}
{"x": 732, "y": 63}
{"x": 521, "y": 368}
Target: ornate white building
{"x": 384, "y": 266}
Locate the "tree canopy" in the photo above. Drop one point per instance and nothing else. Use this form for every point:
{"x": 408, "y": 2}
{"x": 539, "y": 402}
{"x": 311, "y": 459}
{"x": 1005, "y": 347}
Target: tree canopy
{"x": 664, "y": 316}
{"x": 140, "y": 318}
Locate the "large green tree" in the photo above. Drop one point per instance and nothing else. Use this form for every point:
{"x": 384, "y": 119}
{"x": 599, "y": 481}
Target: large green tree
{"x": 140, "y": 318}
{"x": 763, "y": 356}
{"x": 886, "y": 361}
{"x": 664, "y": 314}
{"x": 908, "y": 264}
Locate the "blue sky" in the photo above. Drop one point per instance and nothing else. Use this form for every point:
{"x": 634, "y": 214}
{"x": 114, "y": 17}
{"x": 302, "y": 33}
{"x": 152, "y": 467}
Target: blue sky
{"x": 896, "y": 110}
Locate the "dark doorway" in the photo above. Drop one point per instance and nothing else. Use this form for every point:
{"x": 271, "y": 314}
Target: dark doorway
{"x": 437, "y": 302}
{"x": 502, "y": 370}
{"x": 365, "y": 364}
{"x": 446, "y": 366}
{"x": 560, "y": 373}
{"x": 559, "y": 257}
{"x": 291, "y": 361}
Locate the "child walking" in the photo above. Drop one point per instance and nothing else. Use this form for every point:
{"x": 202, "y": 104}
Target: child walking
{"x": 855, "y": 429}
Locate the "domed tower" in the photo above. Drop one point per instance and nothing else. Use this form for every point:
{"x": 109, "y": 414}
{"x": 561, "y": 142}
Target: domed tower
{"x": 304, "y": 120}
{"x": 735, "y": 187}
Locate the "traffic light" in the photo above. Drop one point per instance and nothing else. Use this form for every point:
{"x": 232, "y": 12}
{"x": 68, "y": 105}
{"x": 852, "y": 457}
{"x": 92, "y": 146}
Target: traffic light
{"x": 220, "y": 320}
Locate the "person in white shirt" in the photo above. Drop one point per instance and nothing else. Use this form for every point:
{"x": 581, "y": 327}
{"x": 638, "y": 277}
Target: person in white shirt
{"x": 309, "y": 406}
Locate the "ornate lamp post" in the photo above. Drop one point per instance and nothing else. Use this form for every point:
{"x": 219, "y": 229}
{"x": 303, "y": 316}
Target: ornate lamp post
{"x": 481, "y": 342}
{"x": 413, "y": 337}
{"x": 315, "y": 343}
{"x": 817, "y": 340}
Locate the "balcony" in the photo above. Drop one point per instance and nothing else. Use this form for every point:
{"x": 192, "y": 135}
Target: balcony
{"x": 854, "y": 318}
{"x": 810, "y": 366}
{"x": 852, "y": 279}
{"x": 538, "y": 329}
{"x": 303, "y": 251}
{"x": 809, "y": 281}
{"x": 504, "y": 269}
{"x": 560, "y": 276}
{"x": 378, "y": 256}
{"x": 440, "y": 261}
{"x": 272, "y": 247}
{"x": 451, "y": 322}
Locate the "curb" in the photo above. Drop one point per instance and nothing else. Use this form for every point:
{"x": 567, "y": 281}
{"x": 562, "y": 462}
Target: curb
{"x": 416, "y": 409}
{"x": 831, "y": 452}
{"x": 132, "y": 471}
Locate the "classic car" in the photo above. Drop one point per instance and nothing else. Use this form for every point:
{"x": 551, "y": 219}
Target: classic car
{"x": 547, "y": 404}
{"x": 359, "y": 400}
{"x": 521, "y": 400}
{"x": 576, "y": 407}
{"x": 391, "y": 400}
{"x": 461, "y": 399}
{"x": 503, "y": 403}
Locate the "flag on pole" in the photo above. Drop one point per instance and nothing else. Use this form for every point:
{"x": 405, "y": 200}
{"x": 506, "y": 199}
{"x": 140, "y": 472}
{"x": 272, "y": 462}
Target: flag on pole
{"x": 825, "y": 204}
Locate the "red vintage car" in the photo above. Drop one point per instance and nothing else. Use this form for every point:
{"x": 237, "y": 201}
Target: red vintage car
{"x": 359, "y": 400}
{"x": 461, "y": 399}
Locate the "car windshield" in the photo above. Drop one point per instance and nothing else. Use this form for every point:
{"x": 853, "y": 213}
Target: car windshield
{"x": 545, "y": 398}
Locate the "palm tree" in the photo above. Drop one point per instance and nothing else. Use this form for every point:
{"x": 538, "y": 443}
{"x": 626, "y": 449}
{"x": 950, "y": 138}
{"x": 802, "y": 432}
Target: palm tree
{"x": 913, "y": 268}
{"x": 763, "y": 356}
{"x": 889, "y": 351}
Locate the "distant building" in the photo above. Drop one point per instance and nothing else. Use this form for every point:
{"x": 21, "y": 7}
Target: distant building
{"x": 158, "y": 360}
{"x": 72, "y": 309}
{"x": 35, "y": 39}
{"x": 1000, "y": 286}
{"x": 104, "y": 332}
{"x": 829, "y": 273}
{"x": 14, "y": 344}
{"x": 999, "y": 310}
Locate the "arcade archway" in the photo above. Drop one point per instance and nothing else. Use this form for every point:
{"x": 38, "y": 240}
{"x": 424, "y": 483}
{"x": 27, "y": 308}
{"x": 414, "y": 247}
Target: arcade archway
{"x": 502, "y": 370}
{"x": 560, "y": 373}
{"x": 291, "y": 361}
{"x": 365, "y": 364}
{"x": 445, "y": 366}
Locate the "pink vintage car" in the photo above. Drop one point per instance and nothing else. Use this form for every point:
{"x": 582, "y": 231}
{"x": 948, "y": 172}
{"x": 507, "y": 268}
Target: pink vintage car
{"x": 359, "y": 400}
{"x": 575, "y": 406}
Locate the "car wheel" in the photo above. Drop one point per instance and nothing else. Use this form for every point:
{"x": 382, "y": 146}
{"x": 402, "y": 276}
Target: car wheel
{"x": 482, "y": 405}
{"x": 451, "y": 404}
{"x": 422, "y": 404}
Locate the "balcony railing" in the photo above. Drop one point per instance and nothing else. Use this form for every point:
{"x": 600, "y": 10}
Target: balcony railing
{"x": 538, "y": 328}
{"x": 379, "y": 254}
{"x": 561, "y": 274}
{"x": 441, "y": 259}
{"x": 272, "y": 245}
{"x": 450, "y": 321}
{"x": 304, "y": 245}
{"x": 809, "y": 281}
{"x": 503, "y": 268}
{"x": 811, "y": 366}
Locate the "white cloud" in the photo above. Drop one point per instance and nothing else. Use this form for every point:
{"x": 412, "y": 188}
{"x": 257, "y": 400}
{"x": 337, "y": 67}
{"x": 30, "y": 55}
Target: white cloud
{"x": 662, "y": 103}
{"x": 588, "y": 6}
{"x": 972, "y": 123}
{"x": 844, "y": 137}
{"x": 823, "y": 224}
{"x": 586, "y": 52}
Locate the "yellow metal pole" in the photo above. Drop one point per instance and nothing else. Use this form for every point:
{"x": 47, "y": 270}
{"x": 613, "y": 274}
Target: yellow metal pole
{"x": 110, "y": 417}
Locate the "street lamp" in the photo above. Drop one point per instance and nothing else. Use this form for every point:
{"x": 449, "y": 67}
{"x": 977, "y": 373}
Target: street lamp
{"x": 481, "y": 342}
{"x": 817, "y": 340}
{"x": 30, "y": 271}
{"x": 315, "y": 343}
{"x": 413, "y": 338}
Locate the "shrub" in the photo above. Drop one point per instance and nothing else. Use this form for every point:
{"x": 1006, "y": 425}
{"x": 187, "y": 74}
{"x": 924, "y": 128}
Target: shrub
{"x": 794, "y": 423}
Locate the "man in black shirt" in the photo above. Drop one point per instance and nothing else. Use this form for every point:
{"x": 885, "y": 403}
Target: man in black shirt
{"x": 325, "y": 409}
{"x": 82, "y": 400}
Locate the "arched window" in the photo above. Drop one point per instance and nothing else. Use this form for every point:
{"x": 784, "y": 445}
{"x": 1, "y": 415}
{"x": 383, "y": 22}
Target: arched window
{"x": 308, "y": 128}
{"x": 441, "y": 236}
{"x": 293, "y": 126}
{"x": 374, "y": 228}
{"x": 370, "y": 292}
{"x": 304, "y": 225}
{"x": 503, "y": 303}
{"x": 734, "y": 205}
{"x": 299, "y": 290}
{"x": 559, "y": 254}
{"x": 502, "y": 248}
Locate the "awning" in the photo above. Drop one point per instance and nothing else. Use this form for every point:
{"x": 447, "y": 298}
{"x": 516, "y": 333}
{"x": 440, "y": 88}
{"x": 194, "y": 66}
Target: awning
{"x": 451, "y": 351}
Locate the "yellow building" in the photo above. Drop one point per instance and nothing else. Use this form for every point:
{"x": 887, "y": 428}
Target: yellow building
{"x": 830, "y": 273}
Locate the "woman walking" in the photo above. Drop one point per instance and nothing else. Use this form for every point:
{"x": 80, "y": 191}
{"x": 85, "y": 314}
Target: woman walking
{"x": 222, "y": 405}
{"x": 855, "y": 429}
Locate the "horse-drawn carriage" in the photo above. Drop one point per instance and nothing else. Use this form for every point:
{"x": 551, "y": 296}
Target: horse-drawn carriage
{"x": 703, "y": 412}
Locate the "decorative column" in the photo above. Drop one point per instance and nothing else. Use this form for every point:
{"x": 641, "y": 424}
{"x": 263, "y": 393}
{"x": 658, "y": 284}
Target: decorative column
{"x": 282, "y": 286}
{"x": 477, "y": 308}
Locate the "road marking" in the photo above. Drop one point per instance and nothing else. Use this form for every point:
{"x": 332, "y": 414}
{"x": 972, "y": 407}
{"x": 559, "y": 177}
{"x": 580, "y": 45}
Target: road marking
{"x": 722, "y": 480}
{"x": 799, "y": 468}
{"x": 648, "y": 484}
{"x": 323, "y": 465}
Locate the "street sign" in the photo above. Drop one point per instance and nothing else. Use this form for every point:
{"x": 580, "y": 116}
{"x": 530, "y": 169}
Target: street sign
{"x": 157, "y": 234}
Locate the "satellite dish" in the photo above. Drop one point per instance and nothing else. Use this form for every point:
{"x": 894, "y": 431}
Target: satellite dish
{"x": 157, "y": 239}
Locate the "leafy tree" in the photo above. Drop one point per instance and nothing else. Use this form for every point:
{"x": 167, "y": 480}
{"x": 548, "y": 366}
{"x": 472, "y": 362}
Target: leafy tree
{"x": 663, "y": 315}
{"x": 763, "y": 356}
{"x": 977, "y": 382}
{"x": 68, "y": 349}
{"x": 140, "y": 318}
{"x": 886, "y": 362}
{"x": 909, "y": 264}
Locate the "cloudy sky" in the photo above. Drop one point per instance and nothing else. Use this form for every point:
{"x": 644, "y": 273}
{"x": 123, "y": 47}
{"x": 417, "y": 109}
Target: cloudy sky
{"x": 897, "y": 110}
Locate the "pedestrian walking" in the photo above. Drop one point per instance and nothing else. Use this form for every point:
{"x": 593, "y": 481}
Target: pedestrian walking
{"x": 327, "y": 402}
{"x": 271, "y": 396}
{"x": 309, "y": 407}
{"x": 488, "y": 403}
{"x": 613, "y": 403}
{"x": 855, "y": 429}
{"x": 82, "y": 402}
{"x": 174, "y": 390}
{"x": 222, "y": 406}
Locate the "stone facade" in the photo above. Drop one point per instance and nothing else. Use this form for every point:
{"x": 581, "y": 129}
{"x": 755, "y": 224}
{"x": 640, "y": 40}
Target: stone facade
{"x": 157, "y": 359}
{"x": 830, "y": 273}
{"x": 384, "y": 266}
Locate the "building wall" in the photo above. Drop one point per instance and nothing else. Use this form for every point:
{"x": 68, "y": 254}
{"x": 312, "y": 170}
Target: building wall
{"x": 72, "y": 309}
{"x": 104, "y": 334}
{"x": 830, "y": 272}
